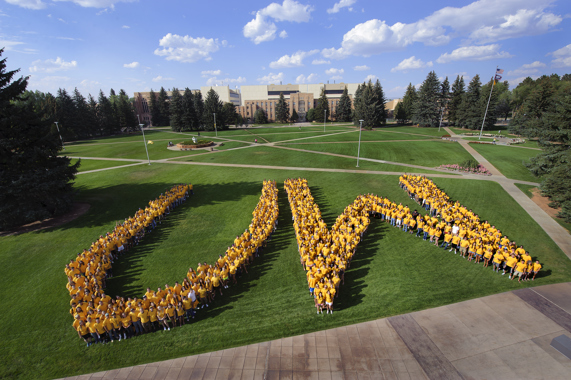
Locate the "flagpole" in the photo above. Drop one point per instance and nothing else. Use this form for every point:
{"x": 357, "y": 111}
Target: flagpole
{"x": 487, "y": 105}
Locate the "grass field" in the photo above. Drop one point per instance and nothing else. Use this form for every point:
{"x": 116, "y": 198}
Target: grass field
{"x": 508, "y": 160}
{"x": 392, "y": 272}
{"x": 87, "y": 165}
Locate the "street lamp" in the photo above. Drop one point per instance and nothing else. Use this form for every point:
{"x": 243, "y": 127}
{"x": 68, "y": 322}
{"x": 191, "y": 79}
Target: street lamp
{"x": 324, "y": 118}
{"x": 441, "y": 113}
{"x": 58, "y": 132}
{"x": 216, "y": 130}
{"x": 145, "y": 141}
{"x": 359, "y": 149}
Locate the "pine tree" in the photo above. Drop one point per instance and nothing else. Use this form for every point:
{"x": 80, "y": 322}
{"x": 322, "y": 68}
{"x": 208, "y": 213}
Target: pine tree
{"x": 381, "y": 111}
{"x": 444, "y": 98}
{"x": 80, "y": 115}
{"x": 92, "y": 119}
{"x": 400, "y": 113}
{"x": 343, "y": 112}
{"x": 188, "y": 112}
{"x": 358, "y": 104}
{"x": 321, "y": 112}
{"x": 230, "y": 116}
{"x": 198, "y": 111}
{"x": 367, "y": 106}
{"x": 154, "y": 108}
{"x": 212, "y": 105}
{"x": 65, "y": 115}
{"x": 282, "y": 110}
{"x": 105, "y": 115}
{"x": 294, "y": 116}
{"x": 310, "y": 115}
{"x": 471, "y": 114}
{"x": 260, "y": 116}
{"x": 176, "y": 111}
{"x": 126, "y": 113}
{"x": 409, "y": 100}
{"x": 426, "y": 111}
{"x": 35, "y": 183}
{"x": 491, "y": 116}
{"x": 163, "y": 104}
{"x": 456, "y": 100}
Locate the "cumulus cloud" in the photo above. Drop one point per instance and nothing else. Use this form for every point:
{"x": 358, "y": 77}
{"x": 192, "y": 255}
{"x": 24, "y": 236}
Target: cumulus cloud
{"x": 271, "y": 78}
{"x": 334, "y": 71}
{"x": 52, "y": 65}
{"x": 160, "y": 78}
{"x": 294, "y": 60}
{"x": 306, "y": 79}
{"x": 261, "y": 28}
{"x": 187, "y": 48}
{"x": 320, "y": 62}
{"x": 132, "y": 65}
{"x": 474, "y": 53}
{"x": 29, "y": 4}
{"x": 481, "y": 22}
{"x": 371, "y": 77}
{"x": 214, "y": 81}
{"x": 208, "y": 73}
{"x": 526, "y": 69}
{"x": 333, "y": 53}
{"x": 342, "y": 4}
{"x": 361, "y": 68}
{"x": 562, "y": 57}
{"x": 411, "y": 64}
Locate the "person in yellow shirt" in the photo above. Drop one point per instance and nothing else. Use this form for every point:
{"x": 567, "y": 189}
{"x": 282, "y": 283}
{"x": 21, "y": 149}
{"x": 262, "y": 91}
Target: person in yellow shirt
{"x": 454, "y": 245}
{"x": 83, "y": 332}
{"x": 126, "y": 326}
{"x": 329, "y": 301}
{"x": 509, "y": 265}
{"x": 498, "y": 259}
{"x": 144, "y": 319}
{"x": 162, "y": 317}
{"x": 110, "y": 327}
{"x": 464, "y": 243}
{"x": 487, "y": 257}
{"x": 536, "y": 269}
{"x": 180, "y": 313}
{"x": 202, "y": 296}
{"x": 520, "y": 269}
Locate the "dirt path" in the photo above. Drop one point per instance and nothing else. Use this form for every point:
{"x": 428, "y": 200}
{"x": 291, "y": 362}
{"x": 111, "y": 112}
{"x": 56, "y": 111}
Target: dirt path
{"x": 543, "y": 202}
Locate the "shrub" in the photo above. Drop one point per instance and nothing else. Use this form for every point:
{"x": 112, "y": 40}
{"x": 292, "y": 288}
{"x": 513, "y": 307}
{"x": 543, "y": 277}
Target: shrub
{"x": 198, "y": 142}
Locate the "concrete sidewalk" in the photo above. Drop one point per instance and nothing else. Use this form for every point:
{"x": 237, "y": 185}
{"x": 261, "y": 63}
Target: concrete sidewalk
{"x": 503, "y": 336}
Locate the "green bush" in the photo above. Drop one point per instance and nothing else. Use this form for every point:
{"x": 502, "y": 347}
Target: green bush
{"x": 198, "y": 142}
{"x": 471, "y": 163}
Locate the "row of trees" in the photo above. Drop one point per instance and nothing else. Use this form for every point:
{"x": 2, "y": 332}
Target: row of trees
{"x": 189, "y": 112}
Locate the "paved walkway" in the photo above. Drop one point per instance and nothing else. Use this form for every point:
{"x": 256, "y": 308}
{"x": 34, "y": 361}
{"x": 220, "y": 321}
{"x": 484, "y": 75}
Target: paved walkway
{"x": 503, "y": 336}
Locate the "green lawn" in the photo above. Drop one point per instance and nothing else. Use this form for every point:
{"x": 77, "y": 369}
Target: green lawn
{"x": 40, "y": 342}
{"x": 508, "y": 160}
{"x": 374, "y": 135}
{"x": 87, "y": 165}
{"x": 424, "y": 153}
{"x": 416, "y": 130}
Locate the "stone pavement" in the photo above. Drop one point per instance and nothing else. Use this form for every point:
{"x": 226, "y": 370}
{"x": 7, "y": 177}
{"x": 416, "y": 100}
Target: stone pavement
{"x": 503, "y": 336}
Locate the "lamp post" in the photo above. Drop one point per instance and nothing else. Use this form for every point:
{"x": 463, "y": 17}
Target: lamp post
{"x": 58, "y": 132}
{"x": 145, "y": 141}
{"x": 441, "y": 113}
{"x": 324, "y": 118}
{"x": 216, "y": 130}
{"x": 359, "y": 149}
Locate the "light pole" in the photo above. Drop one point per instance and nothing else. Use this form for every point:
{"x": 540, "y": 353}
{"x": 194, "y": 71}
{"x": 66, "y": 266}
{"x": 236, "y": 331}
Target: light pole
{"x": 359, "y": 149}
{"x": 58, "y": 132}
{"x": 145, "y": 141}
{"x": 324, "y": 118}
{"x": 216, "y": 130}
{"x": 441, "y": 113}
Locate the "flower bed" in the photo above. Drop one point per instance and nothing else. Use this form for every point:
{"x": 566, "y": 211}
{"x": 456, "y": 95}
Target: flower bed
{"x": 480, "y": 169}
{"x": 189, "y": 144}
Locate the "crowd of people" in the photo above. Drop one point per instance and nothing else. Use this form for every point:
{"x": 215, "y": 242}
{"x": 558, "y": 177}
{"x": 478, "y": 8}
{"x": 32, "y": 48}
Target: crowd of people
{"x": 98, "y": 318}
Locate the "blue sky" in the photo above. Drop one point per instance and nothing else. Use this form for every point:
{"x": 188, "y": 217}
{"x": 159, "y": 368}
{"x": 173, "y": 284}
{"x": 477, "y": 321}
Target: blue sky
{"x": 137, "y": 45}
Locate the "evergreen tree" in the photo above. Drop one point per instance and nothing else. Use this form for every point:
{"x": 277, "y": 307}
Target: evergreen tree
{"x": 367, "y": 106}
{"x": 358, "y": 104}
{"x": 163, "y": 104}
{"x": 212, "y": 105}
{"x": 322, "y": 108}
{"x": 92, "y": 119}
{"x": 457, "y": 95}
{"x": 426, "y": 111}
{"x": 126, "y": 113}
{"x": 260, "y": 116}
{"x": 176, "y": 111}
{"x": 198, "y": 111}
{"x": 310, "y": 115}
{"x": 282, "y": 110}
{"x": 409, "y": 100}
{"x": 471, "y": 114}
{"x": 491, "y": 116}
{"x": 154, "y": 108}
{"x": 294, "y": 116}
{"x": 105, "y": 115}
{"x": 229, "y": 114}
{"x": 343, "y": 112}
{"x": 444, "y": 97}
{"x": 400, "y": 113}
{"x": 65, "y": 115}
{"x": 380, "y": 110}
{"x": 189, "y": 122}
{"x": 80, "y": 116}
{"x": 35, "y": 183}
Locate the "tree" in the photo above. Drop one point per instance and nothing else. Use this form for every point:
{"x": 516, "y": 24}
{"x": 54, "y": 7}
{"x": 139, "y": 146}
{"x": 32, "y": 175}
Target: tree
{"x": 65, "y": 115}
{"x": 92, "y": 111}
{"x": 409, "y": 100}
{"x": 176, "y": 111}
{"x": 189, "y": 122}
{"x": 212, "y": 105}
{"x": 35, "y": 183}
{"x": 282, "y": 110}
{"x": 126, "y": 113}
{"x": 230, "y": 116}
{"x": 294, "y": 116}
{"x": 310, "y": 115}
{"x": 470, "y": 113}
{"x": 343, "y": 112}
{"x": 105, "y": 115}
{"x": 456, "y": 100}
{"x": 491, "y": 118}
{"x": 198, "y": 110}
{"x": 154, "y": 108}
{"x": 426, "y": 111}
{"x": 380, "y": 110}
{"x": 400, "y": 113}
{"x": 322, "y": 109}
{"x": 81, "y": 122}
{"x": 444, "y": 98}
{"x": 164, "y": 109}
{"x": 260, "y": 116}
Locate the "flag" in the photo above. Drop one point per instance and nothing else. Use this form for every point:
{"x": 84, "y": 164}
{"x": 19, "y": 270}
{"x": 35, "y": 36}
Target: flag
{"x": 498, "y": 77}
{"x": 499, "y": 71}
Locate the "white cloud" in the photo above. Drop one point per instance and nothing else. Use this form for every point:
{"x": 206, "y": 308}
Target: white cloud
{"x": 562, "y": 57}
{"x": 271, "y": 78}
{"x": 126, "y": 27}
{"x": 161, "y": 78}
{"x": 514, "y": 82}
{"x": 48, "y": 83}
{"x": 320, "y": 62}
{"x": 188, "y": 49}
{"x": 371, "y": 77}
{"x": 334, "y": 71}
{"x": 226, "y": 81}
{"x": 396, "y": 92}
{"x": 411, "y": 64}
{"x": 526, "y": 69}
{"x": 474, "y": 53}
{"x": 132, "y": 65}
{"x": 209, "y": 73}
{"x": 342, "y": 4}
{"x": 482, "y": 21}
{"x": 333, "y": 53}
{"x": 52, "y": 65}
{"x": 9, "y": 45}
{"x": 97, "y": 3}
{"x": 260, "y": 29}
{"x": 29, "y": 4}
{"x": 294, "y": 60}
{"x": 303, "y": 79}
{"x": 361, "y": 68}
